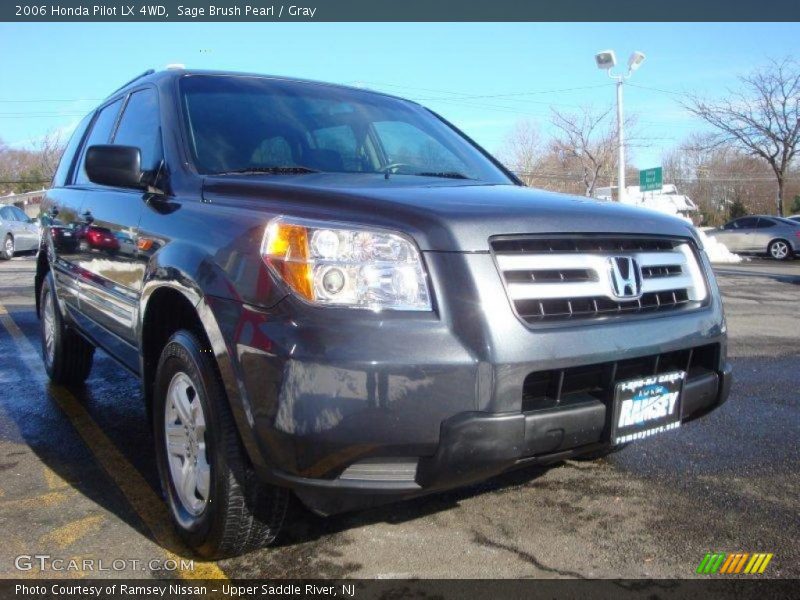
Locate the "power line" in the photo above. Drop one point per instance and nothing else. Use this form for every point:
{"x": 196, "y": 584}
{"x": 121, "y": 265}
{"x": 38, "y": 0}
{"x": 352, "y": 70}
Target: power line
{"x": 42, "y": 115}
{"x": 654, "y": 89}
{"x": 53, "y": 100}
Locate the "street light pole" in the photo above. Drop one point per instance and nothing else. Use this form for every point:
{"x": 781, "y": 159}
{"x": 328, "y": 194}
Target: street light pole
{"x": 607, "y": 60}
{"x": 620, "y": 141}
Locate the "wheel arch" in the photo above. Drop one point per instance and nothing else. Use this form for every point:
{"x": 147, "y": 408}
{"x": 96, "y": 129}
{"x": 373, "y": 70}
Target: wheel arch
{"x": 173, "y": 298}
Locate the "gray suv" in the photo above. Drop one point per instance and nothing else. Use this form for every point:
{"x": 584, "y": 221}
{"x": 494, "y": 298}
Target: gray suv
{"x": 336, "y": 294}
{"x": 774, "y": 236}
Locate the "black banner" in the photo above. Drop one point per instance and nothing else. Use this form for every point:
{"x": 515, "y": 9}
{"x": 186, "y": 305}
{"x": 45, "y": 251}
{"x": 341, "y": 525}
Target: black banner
{"x": 405, "y": 10}
{"x": 711, "y": 588}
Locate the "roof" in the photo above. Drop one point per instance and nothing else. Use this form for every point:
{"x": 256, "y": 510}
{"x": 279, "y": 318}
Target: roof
{"x": 173, "y": 73}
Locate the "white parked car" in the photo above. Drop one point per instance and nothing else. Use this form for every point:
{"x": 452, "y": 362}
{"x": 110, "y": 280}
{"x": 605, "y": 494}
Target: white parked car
{"x": 18, "y": 232}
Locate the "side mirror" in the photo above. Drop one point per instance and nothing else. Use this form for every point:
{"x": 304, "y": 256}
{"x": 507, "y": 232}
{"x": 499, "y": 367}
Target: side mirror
{"x": 117, "y": 166}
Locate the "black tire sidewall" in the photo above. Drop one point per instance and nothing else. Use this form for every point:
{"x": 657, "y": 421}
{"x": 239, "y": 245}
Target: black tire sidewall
{"x": 184, "y": 353}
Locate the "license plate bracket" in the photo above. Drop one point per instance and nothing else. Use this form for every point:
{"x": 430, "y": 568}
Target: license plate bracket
{"x": 646, "y": 406}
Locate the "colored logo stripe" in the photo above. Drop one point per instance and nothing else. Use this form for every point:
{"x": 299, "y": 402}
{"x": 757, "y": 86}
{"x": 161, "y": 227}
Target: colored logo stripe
{"x": 733, "y": 564}
{"x": 758, "y": 563}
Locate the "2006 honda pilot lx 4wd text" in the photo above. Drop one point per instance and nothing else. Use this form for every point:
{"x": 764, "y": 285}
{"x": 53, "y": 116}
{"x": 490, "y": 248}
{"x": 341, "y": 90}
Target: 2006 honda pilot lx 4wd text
{"x": 334, "y": 293}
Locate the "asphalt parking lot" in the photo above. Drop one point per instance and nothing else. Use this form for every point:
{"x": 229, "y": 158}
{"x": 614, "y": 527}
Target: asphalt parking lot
{"x": 77, "y": 477}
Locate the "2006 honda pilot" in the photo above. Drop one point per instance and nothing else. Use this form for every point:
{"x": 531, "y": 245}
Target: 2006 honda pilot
{"x": 334, "y": 292}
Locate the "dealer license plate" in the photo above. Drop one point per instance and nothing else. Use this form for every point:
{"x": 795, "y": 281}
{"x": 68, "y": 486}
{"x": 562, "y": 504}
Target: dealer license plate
{"x": 646, "y": 406}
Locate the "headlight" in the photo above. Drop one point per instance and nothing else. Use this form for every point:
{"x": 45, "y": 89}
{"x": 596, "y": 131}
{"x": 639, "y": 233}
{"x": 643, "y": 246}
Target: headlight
{"x": 341, "y": 265}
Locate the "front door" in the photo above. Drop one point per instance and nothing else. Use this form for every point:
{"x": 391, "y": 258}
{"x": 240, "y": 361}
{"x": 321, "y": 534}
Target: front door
{"x": 110, "y": 259}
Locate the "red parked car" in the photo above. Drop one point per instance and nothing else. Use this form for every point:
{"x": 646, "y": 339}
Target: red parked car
{"x": 92, "y": 237}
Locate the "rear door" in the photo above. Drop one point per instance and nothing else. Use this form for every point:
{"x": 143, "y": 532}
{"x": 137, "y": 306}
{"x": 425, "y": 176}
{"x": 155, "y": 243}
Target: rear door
{"x": 766, "y": 231}
{"x": 112, "y": 267}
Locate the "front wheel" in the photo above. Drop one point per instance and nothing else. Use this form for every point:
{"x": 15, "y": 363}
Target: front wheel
{"x": 216, "y": 503}
{"x": 780, "y": 250}
{"x": 7, "y": 250}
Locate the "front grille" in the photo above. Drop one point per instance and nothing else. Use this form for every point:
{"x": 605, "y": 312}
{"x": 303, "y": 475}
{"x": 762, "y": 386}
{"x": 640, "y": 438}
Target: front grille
{"x": 598, "y": 306}
{"x": 558, "y": 278}
{"x": 556, "y": 387}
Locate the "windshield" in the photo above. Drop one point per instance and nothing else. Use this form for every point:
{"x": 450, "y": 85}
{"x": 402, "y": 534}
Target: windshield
{"x": 241, "y": 124}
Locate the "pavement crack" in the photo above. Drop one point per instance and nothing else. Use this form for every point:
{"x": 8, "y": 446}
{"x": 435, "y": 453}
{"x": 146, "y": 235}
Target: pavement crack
{"x": 481, "y": 539}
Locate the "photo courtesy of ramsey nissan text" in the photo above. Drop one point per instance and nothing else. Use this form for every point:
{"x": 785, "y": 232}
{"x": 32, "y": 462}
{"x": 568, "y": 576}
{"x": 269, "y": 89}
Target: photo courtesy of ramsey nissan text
{"x": 355, "y": 301}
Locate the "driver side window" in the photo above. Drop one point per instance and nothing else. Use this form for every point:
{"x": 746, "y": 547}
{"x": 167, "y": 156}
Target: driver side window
{"x": 404, "y": 143}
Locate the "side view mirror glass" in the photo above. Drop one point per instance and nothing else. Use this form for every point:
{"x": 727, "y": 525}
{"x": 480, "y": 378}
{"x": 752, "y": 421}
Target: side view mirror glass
{"x": 117, "y": 166}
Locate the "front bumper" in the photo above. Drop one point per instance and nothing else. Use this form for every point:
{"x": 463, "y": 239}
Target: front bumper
{"x": 475, "y": 446}
{"x": 324, "y": 389}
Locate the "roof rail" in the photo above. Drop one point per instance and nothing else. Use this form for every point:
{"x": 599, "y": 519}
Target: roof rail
{"x": 127, "y": 83}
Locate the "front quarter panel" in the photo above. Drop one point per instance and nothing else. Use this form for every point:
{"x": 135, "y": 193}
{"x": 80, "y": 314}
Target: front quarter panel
{"x": 210, "y": 255}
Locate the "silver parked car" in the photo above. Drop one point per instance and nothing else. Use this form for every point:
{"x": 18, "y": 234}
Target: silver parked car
{"x": 758, "y": 234}
{"x": 18, "y": 232}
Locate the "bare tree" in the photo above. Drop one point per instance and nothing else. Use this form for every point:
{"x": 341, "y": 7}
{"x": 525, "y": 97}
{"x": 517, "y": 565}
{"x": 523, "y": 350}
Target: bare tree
{"x": 589, "y": 137}
{"x": 49, "y": 149}
{"x": 522, "y": 151}
{"x": 761, "y": 118}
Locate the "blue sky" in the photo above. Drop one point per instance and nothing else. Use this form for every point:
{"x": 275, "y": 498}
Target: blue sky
{"x": 53, "y": 73}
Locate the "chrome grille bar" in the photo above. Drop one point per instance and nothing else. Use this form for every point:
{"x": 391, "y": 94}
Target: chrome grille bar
{"x": 565, "y": 278}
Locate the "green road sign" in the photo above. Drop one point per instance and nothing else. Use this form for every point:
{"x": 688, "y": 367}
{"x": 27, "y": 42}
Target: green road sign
{"x": 650, "y": 179}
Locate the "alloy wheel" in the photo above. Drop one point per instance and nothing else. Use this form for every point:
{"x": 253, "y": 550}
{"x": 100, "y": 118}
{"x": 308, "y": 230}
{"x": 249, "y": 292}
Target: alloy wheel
{"x": 184, "y": 435}
{"x": 779, "y": 250}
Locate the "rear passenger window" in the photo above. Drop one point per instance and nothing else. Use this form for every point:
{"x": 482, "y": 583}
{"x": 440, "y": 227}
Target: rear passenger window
{"x": 62, "y": 172}
{"x": 100, "y": 134}
{"x": 765, "y": 223}
{"x": 139, "y": 127}
{"x": 747, "y": 223}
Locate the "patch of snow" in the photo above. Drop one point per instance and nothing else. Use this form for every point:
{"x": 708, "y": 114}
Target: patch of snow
{"x": 717, "y": 251}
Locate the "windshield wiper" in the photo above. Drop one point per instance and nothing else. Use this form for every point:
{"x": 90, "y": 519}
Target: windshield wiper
{"x": 445, "y": 174}
{"x": 276, "y": 170}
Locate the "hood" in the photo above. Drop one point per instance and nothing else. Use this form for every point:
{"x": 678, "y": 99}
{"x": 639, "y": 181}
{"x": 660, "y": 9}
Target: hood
{"x": 441, "y": 214}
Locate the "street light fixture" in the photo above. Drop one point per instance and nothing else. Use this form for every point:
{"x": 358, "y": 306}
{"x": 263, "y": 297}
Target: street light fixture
{"x": 606, "y": 61}
{"x": 635, "y": 61}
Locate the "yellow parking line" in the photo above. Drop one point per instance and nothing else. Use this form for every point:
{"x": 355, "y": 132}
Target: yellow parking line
{"x": 68, "y": 534}
{"x": 53, "y": 479}
{"x": 142, "y": 498}
{"x": 41, "y": 501}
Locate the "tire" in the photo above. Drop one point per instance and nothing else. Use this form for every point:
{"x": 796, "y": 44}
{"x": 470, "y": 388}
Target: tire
{"x": 780, "y": 250}
{"x": 67, "y": 356}
{"x": 225, "y": 512}
{"x": 7, "y": 250}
